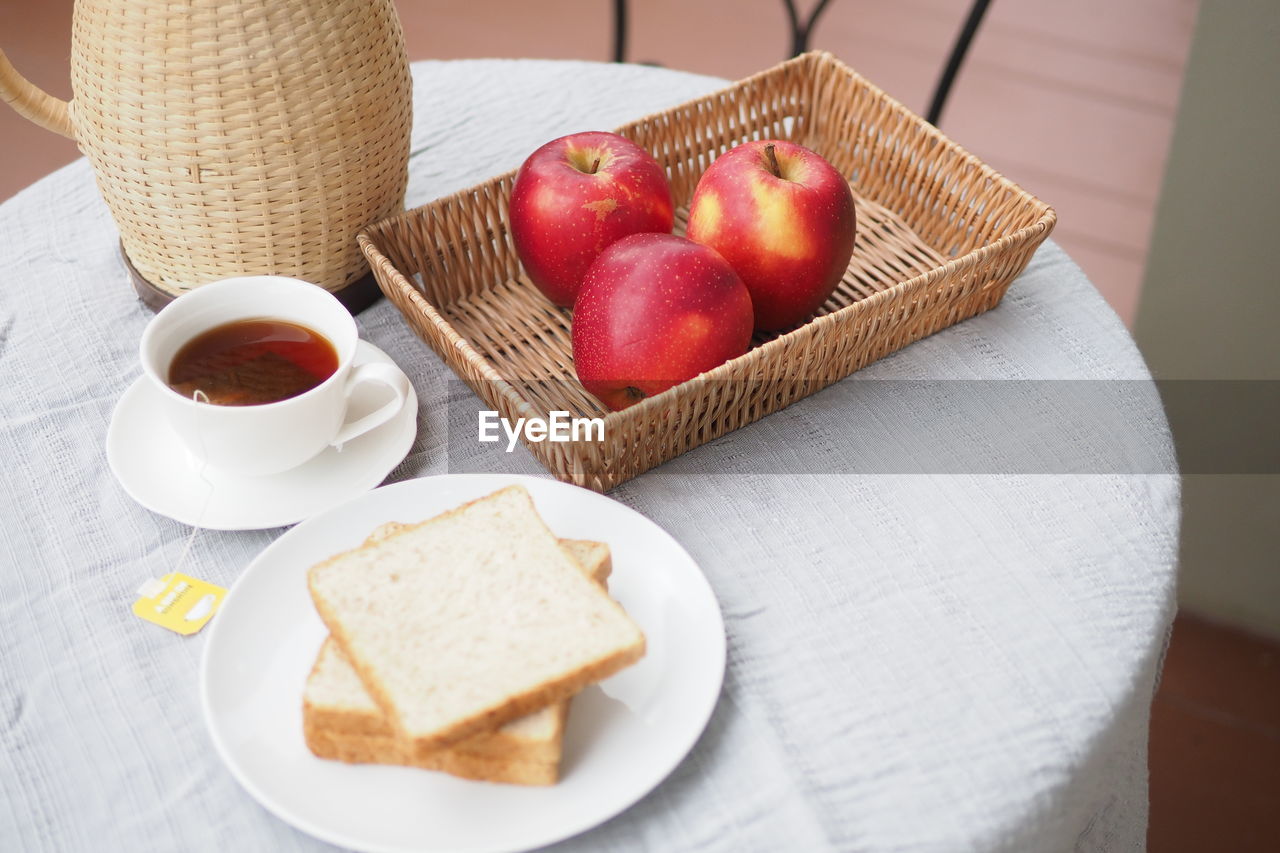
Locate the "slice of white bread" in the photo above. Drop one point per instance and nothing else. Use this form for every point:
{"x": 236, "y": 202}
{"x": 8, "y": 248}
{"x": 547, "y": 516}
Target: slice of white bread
{"x": 462, "y": 623}
{"x": 341, "y": 721}
{"x": 535, "y": 760}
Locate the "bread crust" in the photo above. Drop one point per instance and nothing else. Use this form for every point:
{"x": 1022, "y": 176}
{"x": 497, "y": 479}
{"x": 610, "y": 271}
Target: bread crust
{"x": 374, "y": 749}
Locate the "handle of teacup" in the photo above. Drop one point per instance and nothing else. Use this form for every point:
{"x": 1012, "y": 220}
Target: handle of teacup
{"x": 384, "y": 374}
{"x": 32, "y": 102}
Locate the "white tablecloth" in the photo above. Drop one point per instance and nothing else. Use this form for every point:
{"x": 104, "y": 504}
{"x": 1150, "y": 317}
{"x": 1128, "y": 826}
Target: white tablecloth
{"x": 917, "y": 661}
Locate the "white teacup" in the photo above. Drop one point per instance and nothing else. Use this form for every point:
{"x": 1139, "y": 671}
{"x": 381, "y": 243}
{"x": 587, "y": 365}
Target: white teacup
{"x": 270, "y": 437}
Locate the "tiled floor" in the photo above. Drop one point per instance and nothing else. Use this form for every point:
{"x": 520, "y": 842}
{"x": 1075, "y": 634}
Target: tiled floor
{"x": 1215, "y": 743}
{"x": 1074, "y": 100}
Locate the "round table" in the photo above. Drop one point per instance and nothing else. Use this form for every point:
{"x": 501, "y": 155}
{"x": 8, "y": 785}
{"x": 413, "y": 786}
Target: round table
{"x": 920, "y": 658}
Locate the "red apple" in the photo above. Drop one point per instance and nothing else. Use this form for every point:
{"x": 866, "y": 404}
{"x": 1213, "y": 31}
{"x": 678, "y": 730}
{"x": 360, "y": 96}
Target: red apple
{"x": 655, "y": 310}
{"x": 576, "y": 195}
{"x": 783, "y": 218}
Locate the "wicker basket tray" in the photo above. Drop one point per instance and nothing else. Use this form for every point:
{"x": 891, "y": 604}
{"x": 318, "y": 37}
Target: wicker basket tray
{"x": 940, "y": 237}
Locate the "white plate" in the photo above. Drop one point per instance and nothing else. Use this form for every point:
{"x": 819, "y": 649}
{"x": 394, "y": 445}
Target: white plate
{"x": 154, "y": 468}
{"x": 624, "y": 735}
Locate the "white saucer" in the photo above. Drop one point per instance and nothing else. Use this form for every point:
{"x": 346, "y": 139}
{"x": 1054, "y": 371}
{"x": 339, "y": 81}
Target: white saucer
{"x": 155, "y": 469}
{"x": 624, "y": 735}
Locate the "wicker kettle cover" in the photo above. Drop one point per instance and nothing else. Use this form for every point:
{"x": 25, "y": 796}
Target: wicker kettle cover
{"x": 237, "y": 137}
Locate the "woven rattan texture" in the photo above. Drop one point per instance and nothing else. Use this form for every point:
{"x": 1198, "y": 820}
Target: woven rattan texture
{"x": 234, "y": 137}
{"x": 940, "y": 238}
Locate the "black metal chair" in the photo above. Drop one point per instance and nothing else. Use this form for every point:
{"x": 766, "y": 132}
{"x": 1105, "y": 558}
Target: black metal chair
{"x": 801, "y": 29}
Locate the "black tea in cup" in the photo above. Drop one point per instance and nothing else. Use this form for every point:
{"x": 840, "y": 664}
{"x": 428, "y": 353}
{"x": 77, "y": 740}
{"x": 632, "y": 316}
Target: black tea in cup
{"x": 251, "y": 362}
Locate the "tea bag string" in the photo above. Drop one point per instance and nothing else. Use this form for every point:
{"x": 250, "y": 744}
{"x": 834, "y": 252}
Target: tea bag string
{"x": 200, "y": 397}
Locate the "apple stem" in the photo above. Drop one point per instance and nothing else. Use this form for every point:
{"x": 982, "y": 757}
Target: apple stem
{"x": 594, "y": 166}
{"x": 634, "y": 393}
{"x": 773, "y": 160}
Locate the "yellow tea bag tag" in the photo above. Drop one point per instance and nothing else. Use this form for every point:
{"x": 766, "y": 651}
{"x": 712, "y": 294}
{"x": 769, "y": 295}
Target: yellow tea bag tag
{"x": 178, "y": 602}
